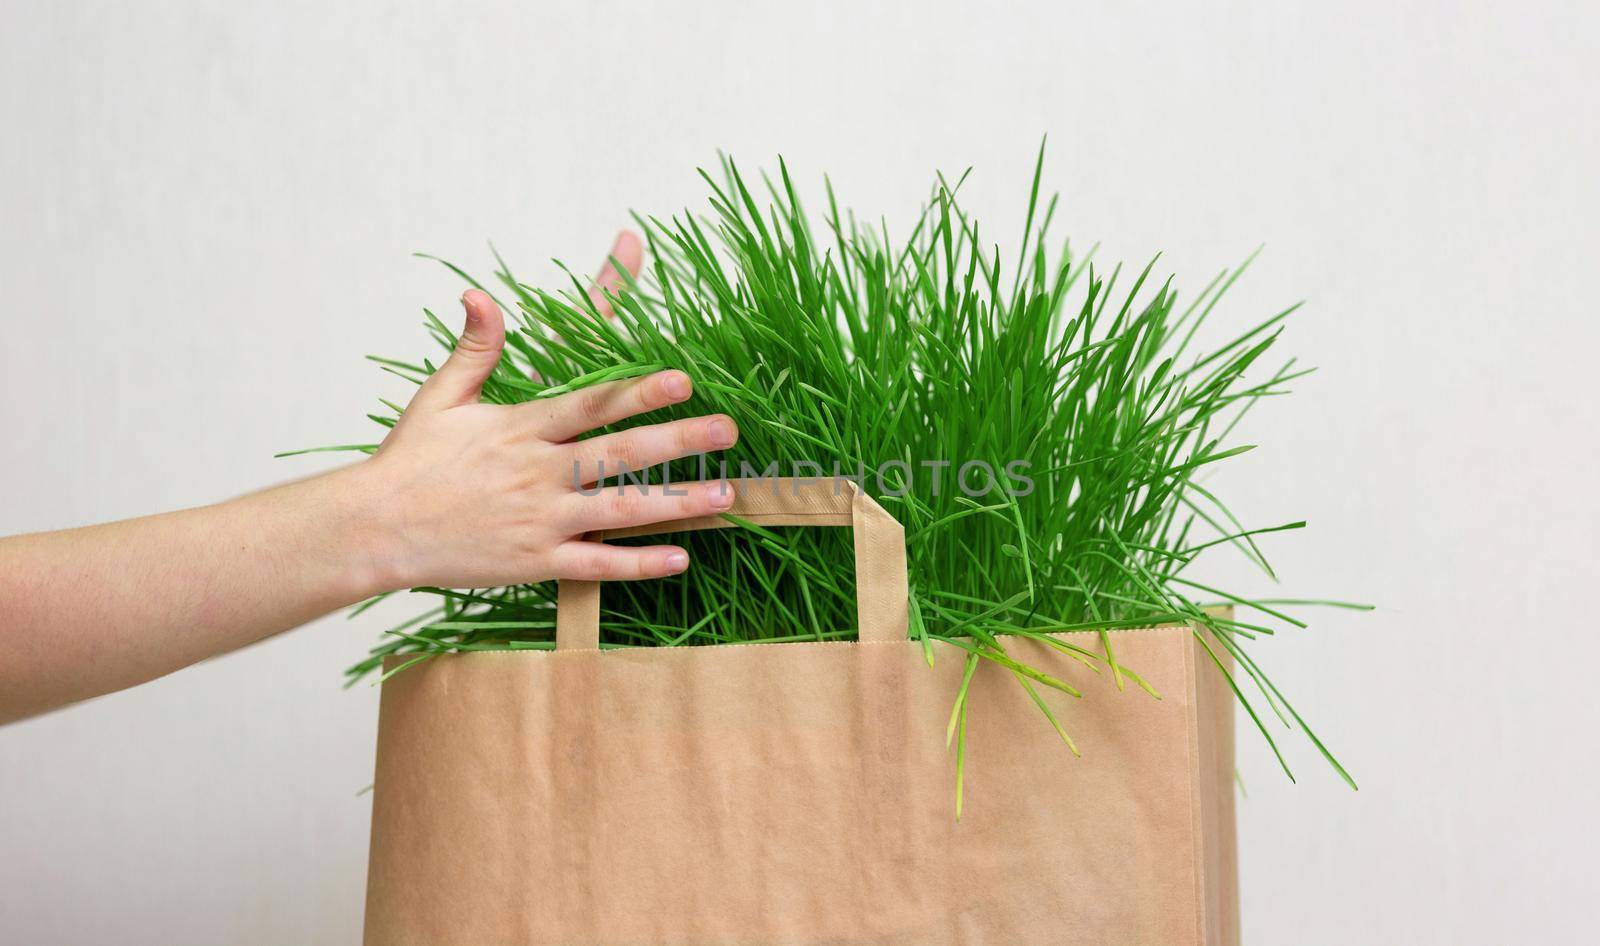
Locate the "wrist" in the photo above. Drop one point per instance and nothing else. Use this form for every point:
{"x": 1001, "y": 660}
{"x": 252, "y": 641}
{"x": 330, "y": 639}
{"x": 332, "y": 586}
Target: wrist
{"x": 370, "y": 537}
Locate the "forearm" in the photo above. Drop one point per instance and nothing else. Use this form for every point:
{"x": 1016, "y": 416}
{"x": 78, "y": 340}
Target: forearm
{"x": 92, "y": 610}
{"x": 461, "y": 495}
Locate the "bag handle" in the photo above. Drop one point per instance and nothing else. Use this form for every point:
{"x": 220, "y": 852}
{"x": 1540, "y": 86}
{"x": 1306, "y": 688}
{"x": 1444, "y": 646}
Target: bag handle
{"x": 880, "y": 543}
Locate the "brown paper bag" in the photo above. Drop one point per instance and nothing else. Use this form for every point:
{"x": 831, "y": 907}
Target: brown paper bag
{"x": 800, "y": 793}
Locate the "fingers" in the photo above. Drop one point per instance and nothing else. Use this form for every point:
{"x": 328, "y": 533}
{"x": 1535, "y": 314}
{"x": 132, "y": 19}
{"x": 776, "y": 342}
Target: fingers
{"x": 460, "y": 379}
{"x": 597, "y": 561}
{"x": 628, "y": 251}
{"x": 643, "y": 447}
{"x": 622, "y": 507}
{"x": 562, "y": 418}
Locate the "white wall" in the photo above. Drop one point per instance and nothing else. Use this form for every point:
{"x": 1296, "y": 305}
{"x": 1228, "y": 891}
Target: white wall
{"x": 206, "y": 212}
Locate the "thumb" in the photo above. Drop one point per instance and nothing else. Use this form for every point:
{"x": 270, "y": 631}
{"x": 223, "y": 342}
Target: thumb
{"x": 459, "y": 380}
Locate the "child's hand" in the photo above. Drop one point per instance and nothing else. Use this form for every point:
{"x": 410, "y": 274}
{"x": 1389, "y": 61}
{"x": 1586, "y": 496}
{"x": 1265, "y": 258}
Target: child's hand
{"x": 472, "y": 495}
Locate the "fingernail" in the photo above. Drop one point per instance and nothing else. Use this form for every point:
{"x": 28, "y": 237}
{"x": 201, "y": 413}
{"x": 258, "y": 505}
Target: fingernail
{"x": 678, "y": 561}
{"x": 722, "y": 432}
{"x": 676, "y": 384}
{"x": 721, "y": 497}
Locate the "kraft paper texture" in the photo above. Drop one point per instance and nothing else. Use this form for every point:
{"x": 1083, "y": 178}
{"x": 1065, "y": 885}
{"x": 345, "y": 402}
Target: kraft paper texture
{"x": 801, "y": 793}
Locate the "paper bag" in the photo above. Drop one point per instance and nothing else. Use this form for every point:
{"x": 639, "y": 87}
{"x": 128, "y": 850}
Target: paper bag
{"x": 801, "y": 793}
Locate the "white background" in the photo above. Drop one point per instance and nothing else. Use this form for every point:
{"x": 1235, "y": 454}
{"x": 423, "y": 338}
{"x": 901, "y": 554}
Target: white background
{"x": 206, "y": 212}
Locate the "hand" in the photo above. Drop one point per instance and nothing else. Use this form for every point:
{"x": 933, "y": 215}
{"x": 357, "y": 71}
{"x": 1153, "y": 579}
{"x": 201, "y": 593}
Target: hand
{"x": 473, "y": 495}
{"x": 461, "y": 494}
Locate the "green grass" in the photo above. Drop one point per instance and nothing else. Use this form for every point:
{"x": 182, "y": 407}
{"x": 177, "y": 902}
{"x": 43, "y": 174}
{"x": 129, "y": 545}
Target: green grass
{"x": 831, "y": 341}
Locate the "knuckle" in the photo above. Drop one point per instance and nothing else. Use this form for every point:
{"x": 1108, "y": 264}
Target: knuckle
{"x": 592, "y": 407}
{"x": 643, "y": 395}
{"x": 594, "y": 564}
{"x": 627, "y": 507}
{"x": 474, "y": 345}
{"x": 639, "y": 566}
{"x": 626, "y": 452}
